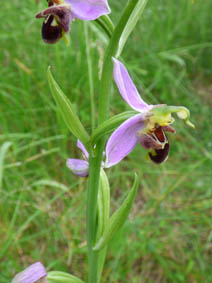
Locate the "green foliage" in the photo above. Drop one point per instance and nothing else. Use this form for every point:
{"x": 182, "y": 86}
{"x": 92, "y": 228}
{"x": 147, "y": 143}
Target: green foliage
{"x": 42, "y": 204}
{"x": 118, "y": 219}
{"x": 134, "y": 17}
{"x": 62, "y": 277}
{"x": 3, "y": 151}
{"x": 67, "y": 110}
{"x": 103, "y": 216}
{"x": 103, "y": 204}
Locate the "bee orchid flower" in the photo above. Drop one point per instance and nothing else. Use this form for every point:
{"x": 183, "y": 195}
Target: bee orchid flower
{"x": 34, "y": 273}
{"x": 60, "y": 13}
{"x": 147, "y": 127}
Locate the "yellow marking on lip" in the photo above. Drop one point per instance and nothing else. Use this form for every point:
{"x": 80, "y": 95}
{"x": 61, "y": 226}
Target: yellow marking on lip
{"x": 153, "y": 152}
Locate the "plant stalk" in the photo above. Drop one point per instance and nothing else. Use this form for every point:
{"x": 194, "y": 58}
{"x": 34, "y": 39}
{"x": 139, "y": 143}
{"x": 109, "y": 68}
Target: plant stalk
{"x": 96, "y": 156}
{"x": 90, "y": 75}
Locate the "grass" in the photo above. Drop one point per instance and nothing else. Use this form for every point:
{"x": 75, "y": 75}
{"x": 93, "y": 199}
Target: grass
{"x": 168, "y": 237}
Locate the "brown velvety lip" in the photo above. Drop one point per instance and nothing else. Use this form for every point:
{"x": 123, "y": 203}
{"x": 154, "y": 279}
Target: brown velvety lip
{"x": 160, "y": 154}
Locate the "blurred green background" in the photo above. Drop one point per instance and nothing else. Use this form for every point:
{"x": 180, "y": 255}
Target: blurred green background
{"x": 168, "y": 236}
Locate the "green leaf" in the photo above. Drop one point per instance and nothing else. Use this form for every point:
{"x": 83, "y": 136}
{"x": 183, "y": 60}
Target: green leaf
{"x": 103, "y": 216}
{"x": 62, "y": 277}
{"x": 110, "y": 125}
{"x": 3, "y": 152}
{"x": 103, "y": 204}
{"x": 132, "y": 21}
{"x": 101, "y": 261}
{"x": 173, "y": 58}
{"x": 118, "y": 218}
{"x": 67, "y": 110}
{"x": 106, "y": 24}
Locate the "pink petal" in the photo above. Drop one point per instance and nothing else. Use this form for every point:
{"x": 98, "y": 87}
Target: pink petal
{"x": 88, "y": 9}
{"x": 81, "y": 146}
{"x": 31, "y": 274}
{"x": 127, "y": 88}
{"x": 123, "y": 140}
{"x": 78, "y": 167}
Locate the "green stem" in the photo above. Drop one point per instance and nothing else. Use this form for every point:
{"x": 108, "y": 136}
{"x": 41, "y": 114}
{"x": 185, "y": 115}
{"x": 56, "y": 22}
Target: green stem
{"x": 93, "y": 186}
{"x": 106, "y": 80}
{"x": 96, "y": 158}
{"x": 90, "y": 75}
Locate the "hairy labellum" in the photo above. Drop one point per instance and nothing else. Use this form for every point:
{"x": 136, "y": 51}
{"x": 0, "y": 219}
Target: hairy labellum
{"x": 57, "y": 20}
{"x": 158, "y": 142}
{"x": 154, "y": 140}
{"x": 148, "y": 141}
{"x": 51, "y": 33}
{"x": 159, "y": 155}
{"x": 50, "y": 3}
